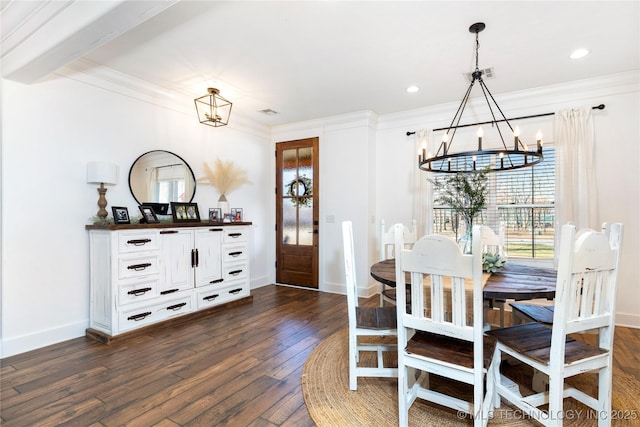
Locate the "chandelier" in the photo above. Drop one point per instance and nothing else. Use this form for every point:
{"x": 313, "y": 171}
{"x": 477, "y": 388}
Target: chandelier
{"x": 212, "y": 109}
{"x": 503, "y": 157}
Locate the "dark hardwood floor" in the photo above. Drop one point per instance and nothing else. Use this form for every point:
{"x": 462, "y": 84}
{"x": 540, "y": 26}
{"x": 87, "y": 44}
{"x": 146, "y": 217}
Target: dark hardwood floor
{"x": 240, "y": 367}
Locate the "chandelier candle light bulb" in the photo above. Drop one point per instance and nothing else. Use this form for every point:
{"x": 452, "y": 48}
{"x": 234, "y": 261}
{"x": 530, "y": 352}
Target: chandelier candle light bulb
{"x": 539, "y": 141}
{"x": 480, "y": 135}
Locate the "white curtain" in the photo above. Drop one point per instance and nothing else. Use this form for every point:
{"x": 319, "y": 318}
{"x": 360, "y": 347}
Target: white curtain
{"x": 576, "y": 198}
{"x": 423, "y": 189}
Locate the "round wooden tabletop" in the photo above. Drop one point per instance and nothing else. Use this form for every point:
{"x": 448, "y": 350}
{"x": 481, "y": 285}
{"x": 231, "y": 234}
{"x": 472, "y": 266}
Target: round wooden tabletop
{"x": 514, "y": 281}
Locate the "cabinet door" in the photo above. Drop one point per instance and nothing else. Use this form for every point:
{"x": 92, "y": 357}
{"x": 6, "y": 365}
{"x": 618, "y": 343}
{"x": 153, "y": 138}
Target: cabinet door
{"x": 209, "y": 256}
{"x": 177, "y": 260}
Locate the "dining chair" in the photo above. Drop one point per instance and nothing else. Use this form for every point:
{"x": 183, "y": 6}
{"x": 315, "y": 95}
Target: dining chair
{"x": 442, "y": 338}
{"x": 494, "y": 243}
{"x": 585, "y": 300}
{"x": 374, "y": 324}
{"x": 386, "y": 244}
{"x": 541, "y": 313}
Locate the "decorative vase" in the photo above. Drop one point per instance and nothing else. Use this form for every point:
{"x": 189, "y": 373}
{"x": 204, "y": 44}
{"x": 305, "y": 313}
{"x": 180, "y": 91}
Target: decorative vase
{"x": 223, "y": 205}
{"x": 465, "y": 240}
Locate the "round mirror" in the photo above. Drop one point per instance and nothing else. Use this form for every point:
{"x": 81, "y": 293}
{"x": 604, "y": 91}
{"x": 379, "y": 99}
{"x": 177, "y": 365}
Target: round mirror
{"x": 161, "y": 177}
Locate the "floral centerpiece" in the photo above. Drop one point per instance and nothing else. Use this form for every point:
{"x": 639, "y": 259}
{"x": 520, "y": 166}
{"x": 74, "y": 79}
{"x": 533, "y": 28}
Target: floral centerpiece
{"x": 492, "y": 263}
{"x": 224, "y": 177}
{"x": 466, "y": 193}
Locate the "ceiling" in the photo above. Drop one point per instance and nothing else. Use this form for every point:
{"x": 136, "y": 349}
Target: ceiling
{"x": 312, "y": 59}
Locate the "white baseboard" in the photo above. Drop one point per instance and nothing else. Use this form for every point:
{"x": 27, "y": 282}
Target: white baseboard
{"x": 24, "y": 343}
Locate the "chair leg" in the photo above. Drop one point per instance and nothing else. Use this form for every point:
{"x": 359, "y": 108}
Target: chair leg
{"x": 604, "y": 395}
{"x": 556, "y": 387}
{"x": 403, "y": 391}
{"x": 353, "y": 362}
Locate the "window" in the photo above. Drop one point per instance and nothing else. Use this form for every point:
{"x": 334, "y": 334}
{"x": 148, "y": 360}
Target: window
{"x": 523, "y": 200}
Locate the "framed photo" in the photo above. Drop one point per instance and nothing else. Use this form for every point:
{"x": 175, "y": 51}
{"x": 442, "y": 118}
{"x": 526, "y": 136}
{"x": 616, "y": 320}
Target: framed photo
{"x": 148, "y": 214}
{"x": 236, "y": 214}
{"x": 215, "y": 215}
{"x": 185, "y": 212}
{"x": 227, "y": 217}
{"x": 120, "y": 215}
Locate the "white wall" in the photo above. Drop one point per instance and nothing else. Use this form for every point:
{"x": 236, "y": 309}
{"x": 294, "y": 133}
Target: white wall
{"x": 51, "y": 130}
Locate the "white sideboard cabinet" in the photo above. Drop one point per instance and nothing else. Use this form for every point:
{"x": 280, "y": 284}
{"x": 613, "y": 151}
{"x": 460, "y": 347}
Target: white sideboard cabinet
{"x": 144, "y": 274}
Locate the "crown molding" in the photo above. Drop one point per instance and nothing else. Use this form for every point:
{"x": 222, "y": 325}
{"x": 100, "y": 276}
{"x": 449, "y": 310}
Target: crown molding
{"x": 523, "y": 102}
{"x": 92, "y": 74}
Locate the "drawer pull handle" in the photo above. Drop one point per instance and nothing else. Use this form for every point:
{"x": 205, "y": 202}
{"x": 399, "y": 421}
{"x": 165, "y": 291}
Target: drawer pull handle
{"x": 235, "y": 254}
{"x": 168, "y": 231}
{"x": 215, "y": 229}
{"x": 235, "y": 291}
{"x": 235, "y": 235}
{"x": 211, "y": 297}
{"x": 235, "y": 272}
{"x": 139, "y": 267}
{"x": 170, "y": 291}
{"x": 138, "y": 242}
{"x": 137, "y": 317}
{"x": 176, "y": 306}
{"x": 216, "y": 281}
{"x": 138, "y": 292}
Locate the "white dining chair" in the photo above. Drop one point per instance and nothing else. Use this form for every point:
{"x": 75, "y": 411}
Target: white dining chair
{"x": 494, "y": 243}
{"x": 374, "y": 323}
{"x": 585, "y": 300}
{"x": 386, "y": 250}
{"x": 438, "y": 337}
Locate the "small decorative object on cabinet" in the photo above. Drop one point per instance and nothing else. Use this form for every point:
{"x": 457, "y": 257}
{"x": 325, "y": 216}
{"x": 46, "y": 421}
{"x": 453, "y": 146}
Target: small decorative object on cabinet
{"x": 185, "y": 212}
{"x": 120, "y": 215}
{"x": 150, "y": 273}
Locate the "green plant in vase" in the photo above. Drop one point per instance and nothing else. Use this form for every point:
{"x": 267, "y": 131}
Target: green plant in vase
{"x": 466, "y": 194}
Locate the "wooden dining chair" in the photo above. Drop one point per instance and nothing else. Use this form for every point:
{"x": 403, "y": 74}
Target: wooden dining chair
{"x": 585, "y": 300}
{"x": 440, "y": 338}
{"x": 541, "y": 313}
{"x": 371, "y": 323}
{"x": 386, "y": 243}
{"x": 494, "y": 243}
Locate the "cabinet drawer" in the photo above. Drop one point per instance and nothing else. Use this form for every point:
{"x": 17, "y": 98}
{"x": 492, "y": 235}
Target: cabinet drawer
{"x": 137, "y": 241}
{"x": 138, "y": 290}
{"x": 235, "y": 234}
{"x": 220, "y": 295}
{"x": 135, "y": 318}
{"x": 232, "y": 253}
{"x": 137, "y": 266}
{"x": 235, "y": 271}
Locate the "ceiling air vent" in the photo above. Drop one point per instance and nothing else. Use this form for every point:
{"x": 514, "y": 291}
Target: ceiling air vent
{"x": 268, "y": 112}
{"x": 487, "y": 73}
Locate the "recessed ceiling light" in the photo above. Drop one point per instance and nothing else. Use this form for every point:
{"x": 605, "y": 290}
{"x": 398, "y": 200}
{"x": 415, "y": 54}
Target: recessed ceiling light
{"x": 413, "y": 89}
{"x": 579, "y": 53}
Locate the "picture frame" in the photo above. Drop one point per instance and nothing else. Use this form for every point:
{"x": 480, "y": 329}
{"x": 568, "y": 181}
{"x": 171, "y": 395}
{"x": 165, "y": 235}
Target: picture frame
{"x": 148, "y": 214}
{"x": 215, "y": 215}
{"x": 185, "y": 212}
{"x": 120, "y": 215}
{"x": 227, "y": 217}
{"x": 236, "y": 214}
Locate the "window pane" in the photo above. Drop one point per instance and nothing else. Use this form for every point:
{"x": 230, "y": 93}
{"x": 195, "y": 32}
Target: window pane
{"x": 289, "y": 220}
{"x": 523, "y": 200}
{"x": 305, "y": 230}
{"x": 289, "y": 171}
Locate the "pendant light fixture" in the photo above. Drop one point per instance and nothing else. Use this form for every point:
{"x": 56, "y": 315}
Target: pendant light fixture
{"x": 212, "y": 109}
{"x": 493, "y": 157}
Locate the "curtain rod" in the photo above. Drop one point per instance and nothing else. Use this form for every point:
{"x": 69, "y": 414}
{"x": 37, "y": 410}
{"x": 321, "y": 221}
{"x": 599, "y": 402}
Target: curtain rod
{"x": 597, "y": 107}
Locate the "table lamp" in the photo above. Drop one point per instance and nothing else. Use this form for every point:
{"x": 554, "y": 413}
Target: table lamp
{"x": 102, "y": 173}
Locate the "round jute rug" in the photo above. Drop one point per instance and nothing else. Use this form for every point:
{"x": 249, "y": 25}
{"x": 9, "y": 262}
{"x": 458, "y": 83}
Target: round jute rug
{"x": 325, "y": 385}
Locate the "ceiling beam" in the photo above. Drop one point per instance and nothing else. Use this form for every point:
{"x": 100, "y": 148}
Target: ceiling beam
{"x": 40, "y": 37}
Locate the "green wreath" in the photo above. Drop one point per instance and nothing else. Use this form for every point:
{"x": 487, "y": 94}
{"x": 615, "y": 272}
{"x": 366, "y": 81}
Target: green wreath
{"x": 304, "y": 198}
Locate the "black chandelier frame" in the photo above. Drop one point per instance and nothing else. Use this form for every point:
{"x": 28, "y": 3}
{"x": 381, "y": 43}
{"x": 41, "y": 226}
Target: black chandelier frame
{"x": 494, "y": 159}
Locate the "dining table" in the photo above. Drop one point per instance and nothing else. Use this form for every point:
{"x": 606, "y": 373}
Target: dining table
{"x": 512, "y": 282}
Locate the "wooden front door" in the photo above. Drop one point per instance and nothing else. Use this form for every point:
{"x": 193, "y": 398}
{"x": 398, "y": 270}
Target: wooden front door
{"x": 297, "y": 212}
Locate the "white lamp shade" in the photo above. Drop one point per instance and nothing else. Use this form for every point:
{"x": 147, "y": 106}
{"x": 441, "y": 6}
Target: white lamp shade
{"x": 102, "y": 172}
